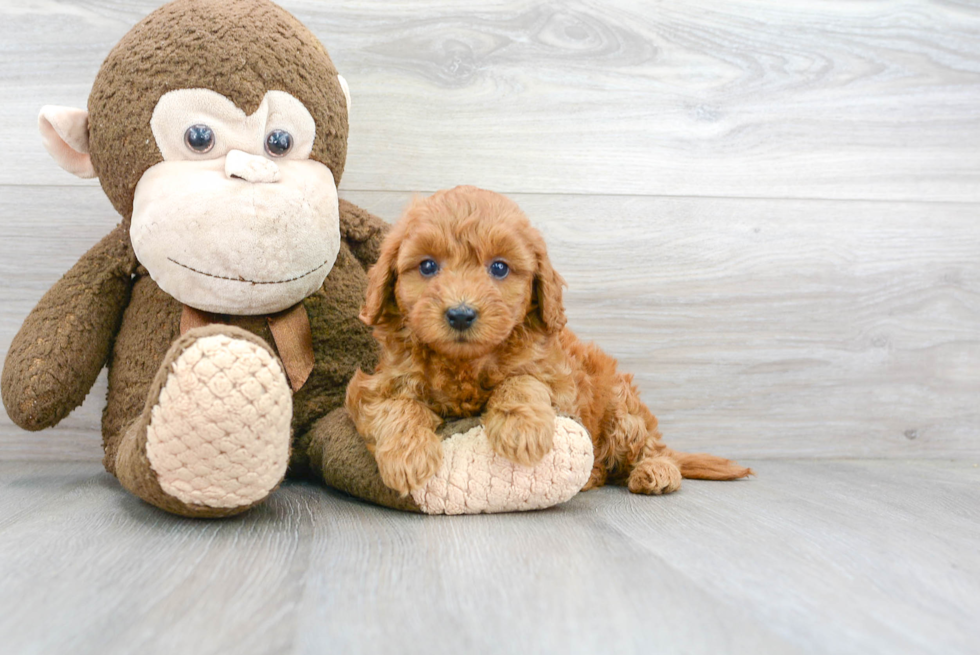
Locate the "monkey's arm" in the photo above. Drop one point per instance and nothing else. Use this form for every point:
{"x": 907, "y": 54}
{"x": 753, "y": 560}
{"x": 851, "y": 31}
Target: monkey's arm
{"x": 363, "y": 232}
{"x": 65, "y": 340}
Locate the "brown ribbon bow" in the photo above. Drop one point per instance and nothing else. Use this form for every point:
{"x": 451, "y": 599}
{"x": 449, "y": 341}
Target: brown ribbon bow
{"x": 290, "y": 330}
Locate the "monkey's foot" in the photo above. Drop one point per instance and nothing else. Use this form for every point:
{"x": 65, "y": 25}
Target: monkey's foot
{"x": 473, "y": 479}
{"x": 214, "y": 439}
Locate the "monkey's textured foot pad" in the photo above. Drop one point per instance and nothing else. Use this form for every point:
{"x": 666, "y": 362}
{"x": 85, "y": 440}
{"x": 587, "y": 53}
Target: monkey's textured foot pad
{"x": 219, "y": 434}
{"x": 474, "y": 480}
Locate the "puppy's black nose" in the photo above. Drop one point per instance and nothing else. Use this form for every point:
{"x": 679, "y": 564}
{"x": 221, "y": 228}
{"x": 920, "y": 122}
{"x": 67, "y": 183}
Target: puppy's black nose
{"x": 461, "y": 317}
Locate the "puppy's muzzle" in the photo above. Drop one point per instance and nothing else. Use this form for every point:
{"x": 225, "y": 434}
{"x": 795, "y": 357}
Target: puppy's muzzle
{"x": 461, "y": 317}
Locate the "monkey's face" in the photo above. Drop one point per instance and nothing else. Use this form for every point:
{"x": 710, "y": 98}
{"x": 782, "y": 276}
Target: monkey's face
{"x": 236, "y": 219}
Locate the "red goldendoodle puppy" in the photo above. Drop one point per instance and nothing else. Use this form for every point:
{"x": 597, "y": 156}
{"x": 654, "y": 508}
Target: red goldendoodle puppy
{"x": 468, "y": 312}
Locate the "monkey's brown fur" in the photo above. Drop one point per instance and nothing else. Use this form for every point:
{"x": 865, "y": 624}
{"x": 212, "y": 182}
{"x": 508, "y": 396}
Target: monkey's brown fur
{"x": 517, "y": 364}
{"x": 239, "y": 48}
{"x": 107, "y": 310}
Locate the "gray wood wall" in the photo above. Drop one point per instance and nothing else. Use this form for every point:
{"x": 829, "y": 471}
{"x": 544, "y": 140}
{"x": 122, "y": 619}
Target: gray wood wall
{"x": 767, "y": 210}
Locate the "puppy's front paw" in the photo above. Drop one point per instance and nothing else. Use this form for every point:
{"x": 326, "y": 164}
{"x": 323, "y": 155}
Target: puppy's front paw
{"x": 522, "y": 436}
{"x": 406, "y": 462}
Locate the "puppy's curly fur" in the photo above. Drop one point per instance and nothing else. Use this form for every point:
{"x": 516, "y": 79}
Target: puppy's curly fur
{"x": 505, "y": 353}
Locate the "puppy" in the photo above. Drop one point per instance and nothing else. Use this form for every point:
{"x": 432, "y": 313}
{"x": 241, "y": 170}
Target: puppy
{"x": 468, "y": 312}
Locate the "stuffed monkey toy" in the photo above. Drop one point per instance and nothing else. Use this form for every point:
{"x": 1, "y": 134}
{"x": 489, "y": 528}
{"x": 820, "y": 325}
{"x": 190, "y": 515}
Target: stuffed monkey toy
{"x": 225, "y": 303}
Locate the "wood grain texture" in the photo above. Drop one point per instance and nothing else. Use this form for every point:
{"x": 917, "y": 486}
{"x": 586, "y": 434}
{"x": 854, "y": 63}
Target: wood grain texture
{"x": 43, "y": 232}
{"x": 755, "y": 328}
{"x": 837, "y": 557}
{"x": 811, "y": 557}
{"x": 778, "y": 328}
{"x": 766, "y": 210}
{"x": 751, "y": 98}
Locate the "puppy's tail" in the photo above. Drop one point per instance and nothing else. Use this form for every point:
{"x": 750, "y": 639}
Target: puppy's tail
{"x": 701, "y": 466}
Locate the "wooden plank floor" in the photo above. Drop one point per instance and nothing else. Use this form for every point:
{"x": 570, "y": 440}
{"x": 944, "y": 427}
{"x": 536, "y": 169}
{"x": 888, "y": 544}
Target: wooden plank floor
{"x": 744, "y": 98}
{"x": 838, "y": 556}
{"x": 766, "y": 210}
{"x": 756, "y": 328}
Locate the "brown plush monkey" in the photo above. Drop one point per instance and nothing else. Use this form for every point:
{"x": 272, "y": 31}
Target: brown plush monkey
{"x": 226, "y": 302}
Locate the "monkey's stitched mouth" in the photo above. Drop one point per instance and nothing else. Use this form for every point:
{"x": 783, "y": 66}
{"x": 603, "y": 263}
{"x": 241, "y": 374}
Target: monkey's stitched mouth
{"x": 241, "y": 279}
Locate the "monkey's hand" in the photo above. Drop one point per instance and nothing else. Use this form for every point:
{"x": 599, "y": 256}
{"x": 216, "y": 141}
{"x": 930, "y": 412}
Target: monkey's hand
{"x": 363, "y": 232}
{"x": 65, "y": 340}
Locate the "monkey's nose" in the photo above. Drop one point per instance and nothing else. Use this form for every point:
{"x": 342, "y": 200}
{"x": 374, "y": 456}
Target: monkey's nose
{"x": 461, "y": 317}
{"x": 250, "y": 168}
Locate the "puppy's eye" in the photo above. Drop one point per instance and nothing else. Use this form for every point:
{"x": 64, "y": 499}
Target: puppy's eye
{"x": 499, "y": 270}
{"x": 199, "y": 138}
{"x": 428, "y": 267}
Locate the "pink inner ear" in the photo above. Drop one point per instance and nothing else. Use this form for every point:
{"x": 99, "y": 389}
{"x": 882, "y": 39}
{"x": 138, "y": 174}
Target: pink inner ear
{"x": 64, "y": 131}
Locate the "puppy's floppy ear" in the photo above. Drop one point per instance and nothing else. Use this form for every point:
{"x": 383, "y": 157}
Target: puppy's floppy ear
{"x": 380, "y": 305}
{"x": 546, "y": 291}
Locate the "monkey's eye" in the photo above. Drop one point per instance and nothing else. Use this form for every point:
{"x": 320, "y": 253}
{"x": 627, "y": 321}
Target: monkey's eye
{"x": 499, "y": 269}
{"x": 428, "y": 267}
{"x": 199, "y": 138}
{"x": 278, "y": 143}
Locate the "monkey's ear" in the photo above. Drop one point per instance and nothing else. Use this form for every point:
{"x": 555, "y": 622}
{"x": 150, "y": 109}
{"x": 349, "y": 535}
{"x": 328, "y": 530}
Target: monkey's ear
{"x": 64, "y": 131}
{"x": 343, "y": 85}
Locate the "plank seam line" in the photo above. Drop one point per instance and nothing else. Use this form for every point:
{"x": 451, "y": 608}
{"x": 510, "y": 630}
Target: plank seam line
{"x": 342, "y": 190}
